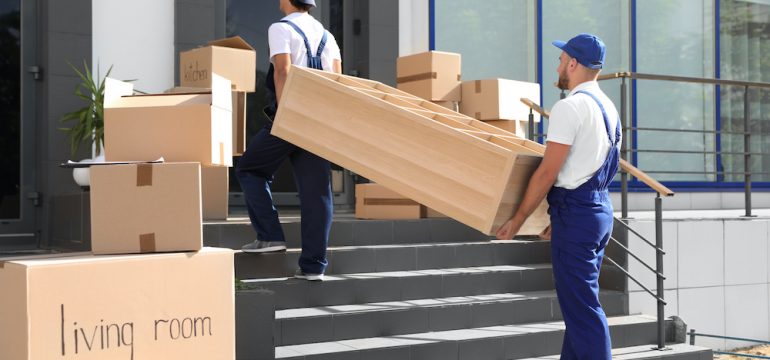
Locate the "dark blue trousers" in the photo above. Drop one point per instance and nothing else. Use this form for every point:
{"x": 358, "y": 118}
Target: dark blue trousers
{"x": 580, "y": 231}
{"x": 255, "y": 171}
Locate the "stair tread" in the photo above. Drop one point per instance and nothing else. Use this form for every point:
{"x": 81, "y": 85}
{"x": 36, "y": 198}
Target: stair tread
{"x": 412, "y": 245}
{"x": 409, "y": 304}
{"x": 439, "y": 336}
{"x": 409, "y": 273}
{"x": 647, "y": 352}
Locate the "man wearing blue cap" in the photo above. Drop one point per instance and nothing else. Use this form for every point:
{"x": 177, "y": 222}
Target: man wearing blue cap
{"x": 298, "y": 39}
{"x": 580, "y": 161}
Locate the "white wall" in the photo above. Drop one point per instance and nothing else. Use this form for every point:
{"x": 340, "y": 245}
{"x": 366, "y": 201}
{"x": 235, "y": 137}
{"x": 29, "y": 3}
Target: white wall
{"x": 413, "y": 30}
{"x": 137, "y": 38}
{"x": 718, "y": 279}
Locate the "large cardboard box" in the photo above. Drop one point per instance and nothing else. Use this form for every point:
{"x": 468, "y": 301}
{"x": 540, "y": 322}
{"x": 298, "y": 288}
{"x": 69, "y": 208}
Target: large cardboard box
{"x": 177, "y": 127}
{"x": 498, "y": 99}
{"x": 141, "y": 208}
{"x": 464, "y": 168}
{"x": 432, "y": 75}
{"x": 86, "y": 307}
{"x": 374, "y": 201}
{"x": 233, "y": 58}
{"x": 215, "y": 192}
{"x": 239, "y": 114}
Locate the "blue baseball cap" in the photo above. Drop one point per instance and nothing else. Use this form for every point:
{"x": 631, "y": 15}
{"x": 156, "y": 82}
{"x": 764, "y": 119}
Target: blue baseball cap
{"x": 308, "y": 2}
{"x": 587, "y": 49}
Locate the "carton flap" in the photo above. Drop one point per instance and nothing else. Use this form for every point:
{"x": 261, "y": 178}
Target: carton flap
{"x": 235, "y": 42}
{"x": 162, "y": 100}
{"x": 115, "y": 89}
{"x": 221, "y": 92}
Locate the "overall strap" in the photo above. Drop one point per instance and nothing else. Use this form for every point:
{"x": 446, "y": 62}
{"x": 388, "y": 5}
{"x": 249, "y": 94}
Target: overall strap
{"x": 613, "y": 142}
{"x": 313, "y": 62}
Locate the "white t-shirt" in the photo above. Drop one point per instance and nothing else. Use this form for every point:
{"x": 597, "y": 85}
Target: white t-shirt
{"x": 283, "y": 39}
{"x": 577, "y": 121}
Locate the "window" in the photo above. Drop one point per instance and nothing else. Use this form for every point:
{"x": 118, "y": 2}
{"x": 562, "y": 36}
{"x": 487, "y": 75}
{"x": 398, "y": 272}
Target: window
{"x": 495, "y": 37}
{"x": 10, "y": 109}
{"x": 745, "y": 55}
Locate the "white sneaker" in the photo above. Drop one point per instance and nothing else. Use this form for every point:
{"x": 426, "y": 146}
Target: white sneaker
{"x": 299, "y": 274}
{"x": 259, "y": 246}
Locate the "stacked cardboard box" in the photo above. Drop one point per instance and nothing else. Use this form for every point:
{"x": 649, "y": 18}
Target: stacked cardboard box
{"x": 234, "y": 59}
{"x": 432, "y": 75}
{"x": 374, "y": 201}
{"x": 496, "y": 101}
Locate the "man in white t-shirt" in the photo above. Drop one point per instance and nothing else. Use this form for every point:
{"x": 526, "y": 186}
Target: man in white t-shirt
{"x": 300, "y": 40}
{"x": 581, "y": 159}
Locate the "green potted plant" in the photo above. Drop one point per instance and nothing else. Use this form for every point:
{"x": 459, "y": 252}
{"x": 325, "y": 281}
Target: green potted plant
{"x": 88, "y": 121}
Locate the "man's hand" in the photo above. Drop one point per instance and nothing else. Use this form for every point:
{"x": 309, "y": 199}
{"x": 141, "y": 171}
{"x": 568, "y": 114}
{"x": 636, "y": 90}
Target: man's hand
{"x": 509, "y": 229}
{"x": 545, "y": 234}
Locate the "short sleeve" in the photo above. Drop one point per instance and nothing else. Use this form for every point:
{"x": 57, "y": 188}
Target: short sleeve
{"x": 279, "y": 39}
{"x": 563, "y": 124}
{"x": 333, "y": 47}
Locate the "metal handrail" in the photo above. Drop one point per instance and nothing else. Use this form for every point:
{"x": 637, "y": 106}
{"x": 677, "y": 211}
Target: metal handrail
{"x": 746, "y": 85}
{"x": 692, "y": 335}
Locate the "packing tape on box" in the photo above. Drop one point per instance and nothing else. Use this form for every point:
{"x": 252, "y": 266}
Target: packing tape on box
{"x": 392, "y": 202}
{"x": 478, "y": 86}
{"x": 418, "y": 77}
{"x": 144, "y": 175}
{"x": 147, "y": 243}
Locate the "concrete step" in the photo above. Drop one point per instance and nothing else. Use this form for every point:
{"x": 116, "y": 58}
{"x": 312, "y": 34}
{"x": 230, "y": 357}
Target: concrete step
{"x": 672, "y": 352}
{"x": 359, "y": 259}
{"x": 347, "y": 231}
{"x": 493, "y": 342}
{"x": 345, "y": 322}
{"x": 362, "y": 288}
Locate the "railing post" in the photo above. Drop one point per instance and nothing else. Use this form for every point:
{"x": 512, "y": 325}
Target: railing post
{"x": 692, "y": 337}
{"x": 623, "y": 149}
{"x": 659, "y": 268}
{"x": 531, "y": 125}
{"x": 746, "y": 151}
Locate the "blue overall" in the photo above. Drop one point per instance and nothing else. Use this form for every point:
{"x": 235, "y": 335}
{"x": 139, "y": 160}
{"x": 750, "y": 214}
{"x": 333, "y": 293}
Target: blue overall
{"x": 581, "y": 225}
{"x": 255, "y": 171}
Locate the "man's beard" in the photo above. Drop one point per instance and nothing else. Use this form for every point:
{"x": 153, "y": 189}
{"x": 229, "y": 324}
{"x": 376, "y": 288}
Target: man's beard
{"x": 563, "y": 83}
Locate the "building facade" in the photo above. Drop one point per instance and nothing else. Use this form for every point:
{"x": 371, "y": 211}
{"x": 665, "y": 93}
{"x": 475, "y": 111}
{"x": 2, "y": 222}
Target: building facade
{"x": 690, "y": 136}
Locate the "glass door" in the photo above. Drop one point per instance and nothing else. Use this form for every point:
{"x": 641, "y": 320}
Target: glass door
{"x": 250, "y": 20}
{"x": 17, "y": 213}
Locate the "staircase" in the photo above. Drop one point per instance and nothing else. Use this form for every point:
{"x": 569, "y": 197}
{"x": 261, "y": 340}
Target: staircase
{"x": 417, "y": 289}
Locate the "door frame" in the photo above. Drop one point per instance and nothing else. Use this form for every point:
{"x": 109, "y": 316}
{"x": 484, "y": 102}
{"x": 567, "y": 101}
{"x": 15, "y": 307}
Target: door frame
{"x": 24, "y": 232}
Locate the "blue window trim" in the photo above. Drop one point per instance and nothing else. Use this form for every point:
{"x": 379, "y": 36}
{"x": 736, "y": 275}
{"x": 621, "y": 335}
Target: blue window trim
{"x": 634, "y": 124}
{"x": 695, "y": 186}
{"x": 431, "y": 25}
{"x": 717, "y": 89}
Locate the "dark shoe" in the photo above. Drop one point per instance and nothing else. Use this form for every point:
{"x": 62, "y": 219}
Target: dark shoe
{"x": 299, "y": 274}
{"x": 260, "y": 246}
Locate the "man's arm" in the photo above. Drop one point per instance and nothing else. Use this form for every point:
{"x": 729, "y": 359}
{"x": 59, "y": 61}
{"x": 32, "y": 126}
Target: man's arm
{"x": 539, "y": 185}
{"x": 337, "y": 66}
{"x": 281, "y": 64}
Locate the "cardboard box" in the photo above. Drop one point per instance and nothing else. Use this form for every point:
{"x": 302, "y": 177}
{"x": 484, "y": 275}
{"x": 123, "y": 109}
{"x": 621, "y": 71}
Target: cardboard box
{"x": 177, "y": 127}
{"x": 145, "y": 208}
{"x": 232, "y": 58}
{"x": 498, "y": 99}
{"x": 519, "y": 128}
{"x": 374, "y": 201}
{"x": 155, "y": 306}
{"x": 464, "y": 168}
{"x": 215, "y": 192}
{"x": 239, "y": 114}
{"x": 432, "y": 75}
